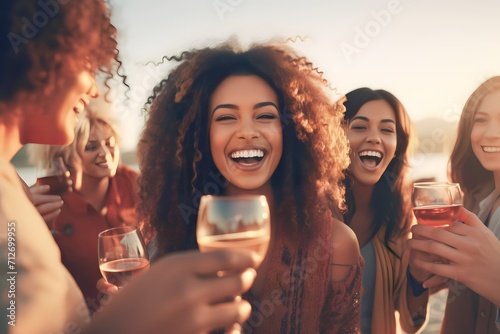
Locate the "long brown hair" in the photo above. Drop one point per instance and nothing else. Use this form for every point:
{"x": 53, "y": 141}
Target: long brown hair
{"x": 391, "y": 202}
{"x": 475, "y": 181}
{"x": 174, "y": 153}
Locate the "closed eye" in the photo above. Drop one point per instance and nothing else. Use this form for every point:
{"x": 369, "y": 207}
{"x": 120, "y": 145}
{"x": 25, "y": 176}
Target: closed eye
{"x": 90, "y": 147}
{"x": 224, "y": 118}
{"x": 267, "y": 116}
{"x": 387, "y": 130}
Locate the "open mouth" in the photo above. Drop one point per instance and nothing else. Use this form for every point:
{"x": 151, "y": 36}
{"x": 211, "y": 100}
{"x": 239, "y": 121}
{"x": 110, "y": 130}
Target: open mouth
{"x": 79, "y": 107}
{"x": 370, "y": 158}
{"x": 102, "y": 164}
{"x": 491, "y": 149}
{"x": 247, "y": 157}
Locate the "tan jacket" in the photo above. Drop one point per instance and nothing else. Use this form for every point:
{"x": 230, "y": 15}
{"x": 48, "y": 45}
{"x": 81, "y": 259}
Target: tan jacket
{"x": 390, "y": 289}
{"x": 46, "y": 298}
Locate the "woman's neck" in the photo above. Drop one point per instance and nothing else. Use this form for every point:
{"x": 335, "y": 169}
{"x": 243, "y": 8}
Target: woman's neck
{"x": 362, "y": 219}
{"x": 265, "y": 190}
{"x": 496, "y": 177}
{"x": 94, "y": 190}
{"x": 362, "y": 195}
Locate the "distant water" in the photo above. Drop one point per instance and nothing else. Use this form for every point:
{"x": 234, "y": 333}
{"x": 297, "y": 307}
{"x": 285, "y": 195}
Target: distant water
{"x": 429, "y": 165}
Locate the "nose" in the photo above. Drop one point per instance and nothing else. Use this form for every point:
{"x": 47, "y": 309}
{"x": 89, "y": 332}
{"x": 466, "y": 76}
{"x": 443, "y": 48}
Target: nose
{"x": 248, "y": 130}
{"x": 373, "y": 138}
{"x": 103, "y": 150}
{"x": 493, "y": 130}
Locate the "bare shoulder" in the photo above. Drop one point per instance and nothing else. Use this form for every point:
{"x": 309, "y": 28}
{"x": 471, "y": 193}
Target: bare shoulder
{"x": 345, "y": 248}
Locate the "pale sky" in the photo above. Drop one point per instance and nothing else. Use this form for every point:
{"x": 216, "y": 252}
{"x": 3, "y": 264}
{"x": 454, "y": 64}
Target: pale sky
{"x": 430, "y": 54}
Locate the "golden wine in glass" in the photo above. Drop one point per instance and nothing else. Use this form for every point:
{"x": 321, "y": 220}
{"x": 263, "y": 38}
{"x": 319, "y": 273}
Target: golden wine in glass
{"x": 234, "y": 222}
{"x": 122, "y": 254}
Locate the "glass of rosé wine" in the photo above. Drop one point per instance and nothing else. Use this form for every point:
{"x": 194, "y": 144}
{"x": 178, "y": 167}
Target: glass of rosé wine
{"x": 122, "y": 254}
{"x": 234, "y": 222}
{"x": 436, "y": 203}
{"x": 56, "y": 175}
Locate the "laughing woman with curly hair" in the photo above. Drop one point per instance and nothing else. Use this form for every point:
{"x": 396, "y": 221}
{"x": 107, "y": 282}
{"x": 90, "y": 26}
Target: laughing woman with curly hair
{"x": 272, "y": 106}
{"x": 47, "y": 77}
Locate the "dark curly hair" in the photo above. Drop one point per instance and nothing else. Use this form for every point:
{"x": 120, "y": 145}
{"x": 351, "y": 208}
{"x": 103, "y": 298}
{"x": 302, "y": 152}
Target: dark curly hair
{"x": 391, "y": 199}
{"x": 465, "y": 168}
{"x": 174, "y": 152}
{"x": 38, "y": 36}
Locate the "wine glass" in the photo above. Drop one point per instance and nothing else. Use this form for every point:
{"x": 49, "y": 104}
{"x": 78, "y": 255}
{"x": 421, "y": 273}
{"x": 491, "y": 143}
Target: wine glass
{"x": 56, "y": 175}
{"x": 122, "y": 254}
{"x": 436, "y": 203}
{"x": 234, "y": 222}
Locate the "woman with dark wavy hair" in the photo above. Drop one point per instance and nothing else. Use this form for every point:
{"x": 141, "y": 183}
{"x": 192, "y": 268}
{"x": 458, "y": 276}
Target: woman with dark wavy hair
{"x": 50, "y": 53}
{"x": 228, "y": 121}
{"x": 471, "y": 250}
{"x": 379, "y": 209}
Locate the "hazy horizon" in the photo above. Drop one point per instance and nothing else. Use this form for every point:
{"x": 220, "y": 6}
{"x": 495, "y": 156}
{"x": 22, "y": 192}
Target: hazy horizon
{"x": 431, "y": 55}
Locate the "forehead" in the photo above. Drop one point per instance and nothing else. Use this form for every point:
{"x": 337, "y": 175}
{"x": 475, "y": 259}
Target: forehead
{"x": 376, "y": 110}
{"x": 100, "y": 131}
{"x": 490, "y": 104}
{"x": 243, "y": 89}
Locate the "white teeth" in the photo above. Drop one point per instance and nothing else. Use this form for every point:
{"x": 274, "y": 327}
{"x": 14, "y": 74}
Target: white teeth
{"x": 79, "y": 107}
{"x": 370, "y": 154}
{"x": 491, "y": 149}
{"x": 247, "y": 154}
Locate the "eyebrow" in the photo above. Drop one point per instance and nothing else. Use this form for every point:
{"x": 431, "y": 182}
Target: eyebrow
{"x": 96, "y": 140}
{"x": 366, "y": 119}
{"x": 235, "y": 107}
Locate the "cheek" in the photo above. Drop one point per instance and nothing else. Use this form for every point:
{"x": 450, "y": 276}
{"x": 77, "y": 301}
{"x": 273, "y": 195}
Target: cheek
{"x": 353, "y": 144}
{"x": 474, "y": 136}
{"x": 391, "y": 146}
{"x": 87, "y": 159}
{"x": 216, "y": 147}
{"x": 275, "y": 137}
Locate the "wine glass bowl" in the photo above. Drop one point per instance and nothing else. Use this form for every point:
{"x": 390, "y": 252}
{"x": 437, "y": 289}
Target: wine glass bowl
{"x": 55, "y": 175}
{"x": 436, "y": 203}
{"x": 234, "y": 222}
{"x": 122, "y": 254}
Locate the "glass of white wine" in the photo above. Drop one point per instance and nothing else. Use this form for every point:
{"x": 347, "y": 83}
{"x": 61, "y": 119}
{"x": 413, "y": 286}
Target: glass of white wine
{"x": 234, "y": 222}
{"x": 122, "y": 254}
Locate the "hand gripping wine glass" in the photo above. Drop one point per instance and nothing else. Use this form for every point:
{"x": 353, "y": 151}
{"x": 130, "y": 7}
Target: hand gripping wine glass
{"x": 234, "y": 222}
{"x": 436, "y": 203}
{"x": 122, "y": 254}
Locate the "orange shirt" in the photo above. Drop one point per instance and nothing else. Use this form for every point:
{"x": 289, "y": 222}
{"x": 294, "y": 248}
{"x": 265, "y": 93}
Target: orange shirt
{"x": 78, "y": 224}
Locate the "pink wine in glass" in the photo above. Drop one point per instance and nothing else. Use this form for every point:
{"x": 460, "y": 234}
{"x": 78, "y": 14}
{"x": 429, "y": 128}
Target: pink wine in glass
{"x": 58, "y": 184}
{"x": 121, "y": 271}
{"x": 437, "y": 215}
